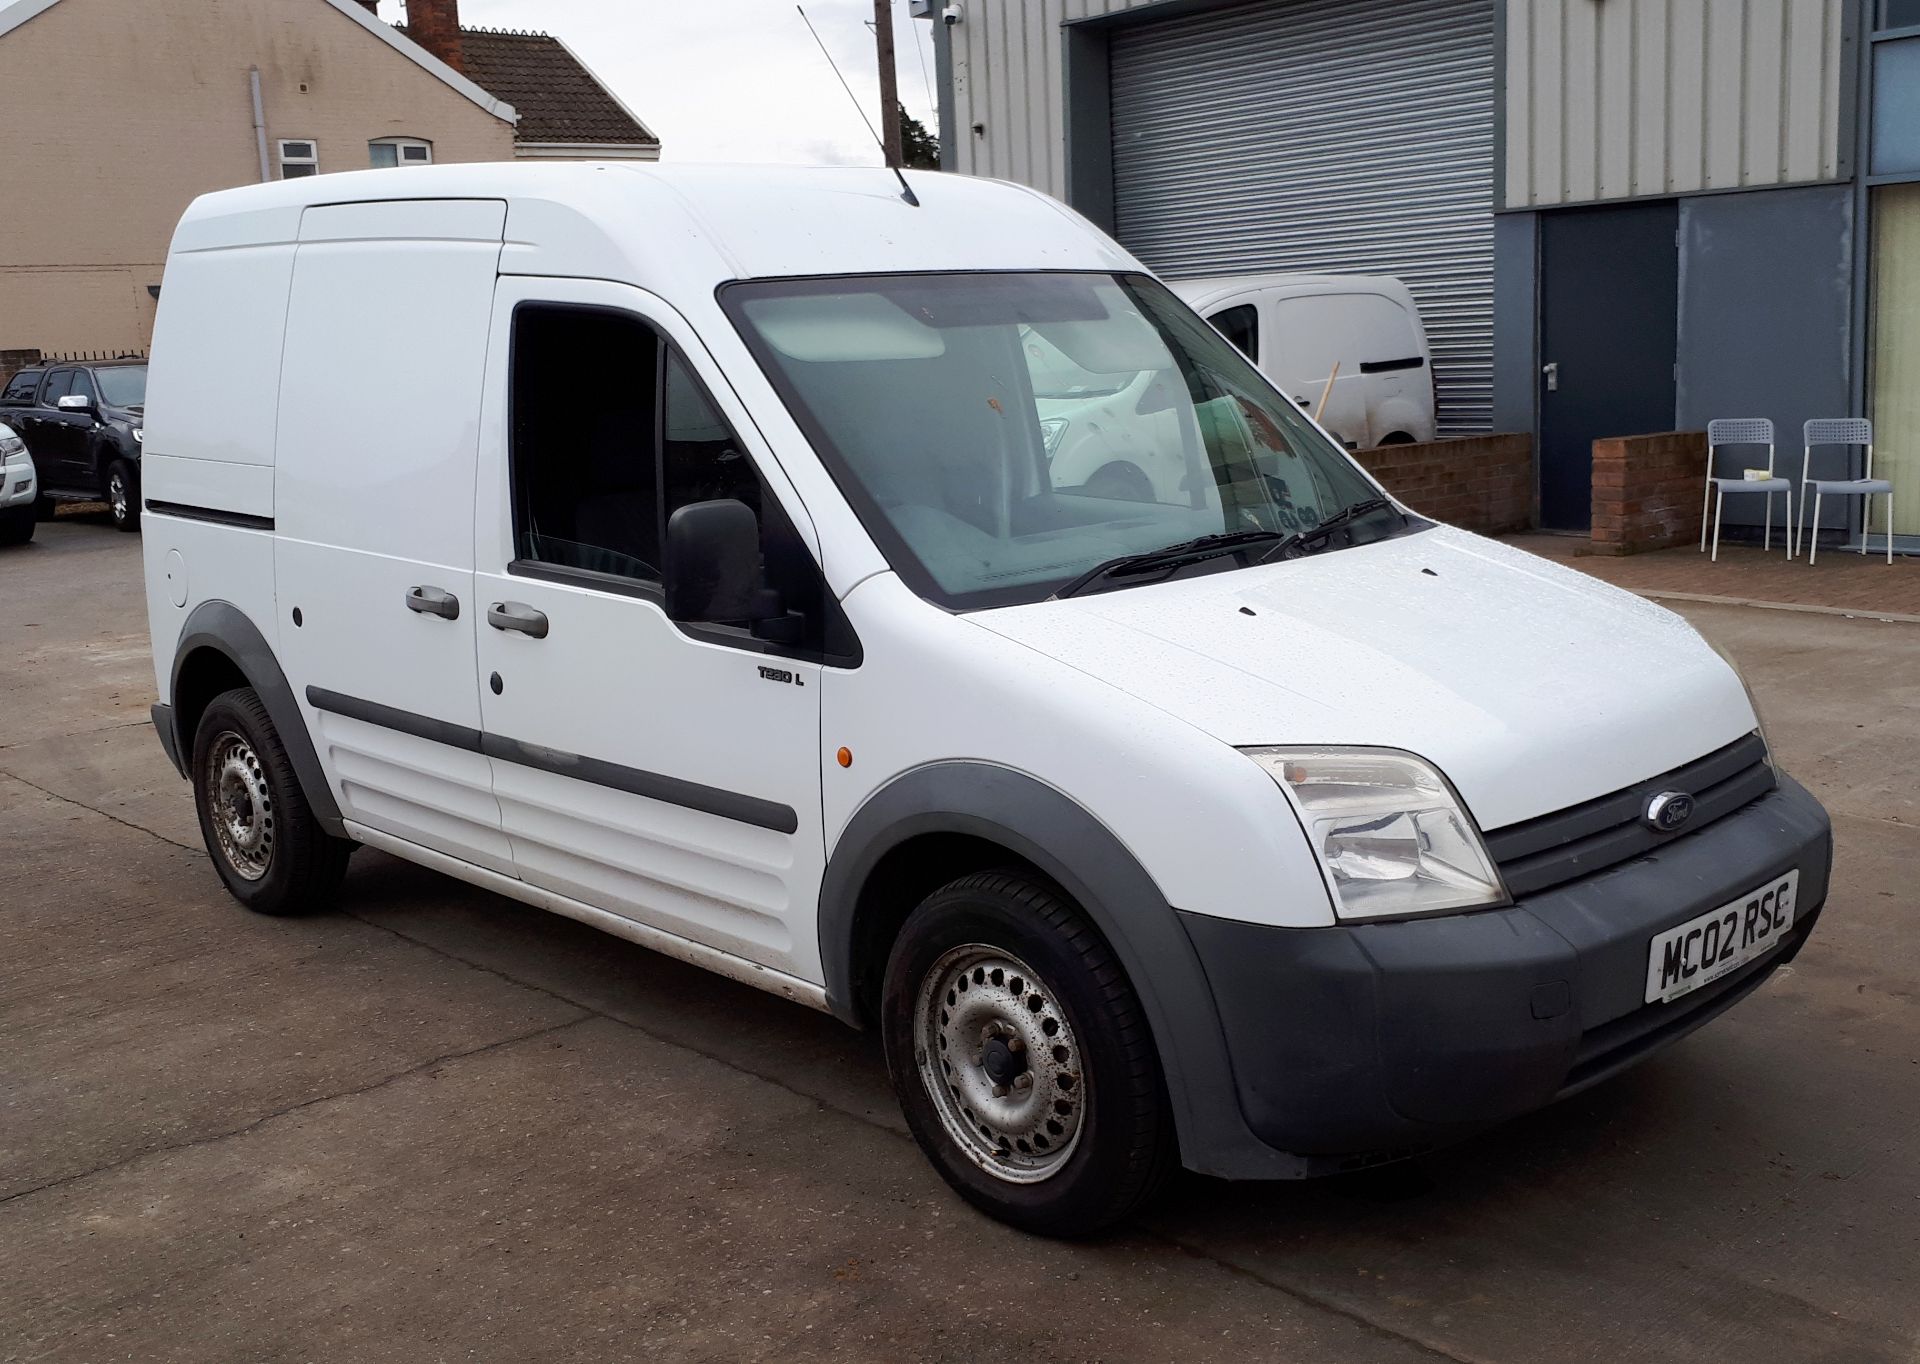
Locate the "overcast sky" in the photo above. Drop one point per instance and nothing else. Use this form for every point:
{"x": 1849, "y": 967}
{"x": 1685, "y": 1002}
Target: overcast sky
{"x": 732, "y": 80}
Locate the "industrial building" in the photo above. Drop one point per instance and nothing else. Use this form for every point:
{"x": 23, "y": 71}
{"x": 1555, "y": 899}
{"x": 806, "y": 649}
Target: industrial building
{"x": 1618, "y": 216}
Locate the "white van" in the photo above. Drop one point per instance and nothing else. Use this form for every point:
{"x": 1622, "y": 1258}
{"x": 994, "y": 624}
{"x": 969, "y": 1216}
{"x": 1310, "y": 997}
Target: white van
{"x": 1296, "y": 327}
{"x": 677, "y": 549}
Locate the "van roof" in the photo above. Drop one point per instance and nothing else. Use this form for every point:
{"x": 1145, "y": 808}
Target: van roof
{"x": 1199, "y": 293}
{"x": 697, "y": 225}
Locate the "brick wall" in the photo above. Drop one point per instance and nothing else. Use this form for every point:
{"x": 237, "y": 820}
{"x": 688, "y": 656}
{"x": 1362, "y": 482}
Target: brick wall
{"x": 13, "y": 361}
{"x": 1647, "y": 490}
{"x": 1479, "y": 483}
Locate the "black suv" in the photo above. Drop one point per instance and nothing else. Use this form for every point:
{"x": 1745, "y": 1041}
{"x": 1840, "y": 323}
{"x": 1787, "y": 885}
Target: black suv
{"x": 83, "y": 426}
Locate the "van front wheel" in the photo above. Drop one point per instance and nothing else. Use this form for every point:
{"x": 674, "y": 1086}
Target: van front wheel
{"x": 1022, "y": 1058}
{"x": 262, "y": 836}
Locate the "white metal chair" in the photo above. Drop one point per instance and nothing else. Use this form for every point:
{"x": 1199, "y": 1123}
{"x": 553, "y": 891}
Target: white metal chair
{"x": 1848, "y": 432}
{"x": 1743, "y": 431}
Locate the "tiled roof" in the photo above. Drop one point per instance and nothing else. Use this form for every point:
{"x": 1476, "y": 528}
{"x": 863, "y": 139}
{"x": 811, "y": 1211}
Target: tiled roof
{"x": 557, "y": 98}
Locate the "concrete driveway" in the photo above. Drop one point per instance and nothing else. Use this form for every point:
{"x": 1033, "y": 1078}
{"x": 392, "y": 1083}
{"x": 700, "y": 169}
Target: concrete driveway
{"x": 441, "y": 1126}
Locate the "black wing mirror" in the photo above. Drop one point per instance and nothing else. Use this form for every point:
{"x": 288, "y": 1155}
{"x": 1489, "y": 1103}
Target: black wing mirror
{"x": 714, "y": 575}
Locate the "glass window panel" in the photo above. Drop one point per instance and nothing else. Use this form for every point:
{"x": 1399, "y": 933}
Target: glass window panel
{"x": 1896, "y": 107}
{"x": 1895, "y": 400}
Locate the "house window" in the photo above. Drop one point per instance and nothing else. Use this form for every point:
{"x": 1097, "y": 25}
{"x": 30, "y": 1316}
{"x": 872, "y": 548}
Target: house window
{"x": 399, "y": 151}
{"x": 298, "y": 159}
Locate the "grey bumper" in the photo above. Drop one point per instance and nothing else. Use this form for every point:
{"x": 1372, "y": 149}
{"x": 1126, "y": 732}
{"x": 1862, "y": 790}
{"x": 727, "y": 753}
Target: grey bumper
{"x": 169, "y": 737}
{"x": 1368, "y": 1042}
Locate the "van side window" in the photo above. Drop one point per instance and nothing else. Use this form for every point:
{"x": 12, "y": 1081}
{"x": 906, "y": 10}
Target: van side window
{"x": 701, "y": 461}
{"x": 83, "y": 385}
{"x": 1240, "y": 325}
{"x": 59, "y": 384}
{"x": 585, "y": 477}
{"x": 611, "y": 434}
{"x": 20, "y": 388}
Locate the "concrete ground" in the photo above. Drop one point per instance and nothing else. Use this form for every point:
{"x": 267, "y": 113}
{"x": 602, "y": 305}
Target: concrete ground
{"x": 440, "y": 1126}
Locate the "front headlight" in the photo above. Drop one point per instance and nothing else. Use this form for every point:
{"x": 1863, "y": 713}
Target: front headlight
{"x": 1051, "y": 429}
{"x": 11, "y": 446}
{"x": 139, "y": 435}
{"x": 1390, "y": 832}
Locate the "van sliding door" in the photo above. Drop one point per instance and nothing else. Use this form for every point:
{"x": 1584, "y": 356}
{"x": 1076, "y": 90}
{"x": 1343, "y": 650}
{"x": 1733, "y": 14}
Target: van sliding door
{"x": 386, "y": 351}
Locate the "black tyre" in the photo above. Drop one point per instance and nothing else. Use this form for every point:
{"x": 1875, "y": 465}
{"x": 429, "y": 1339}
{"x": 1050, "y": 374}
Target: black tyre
{"x": 122, "y": 494}
{"x": 1022, "y": 1059}
{"x": 44, "y": 508}
{"x": 261, "y": 834}
{"x": 16, "y": 525}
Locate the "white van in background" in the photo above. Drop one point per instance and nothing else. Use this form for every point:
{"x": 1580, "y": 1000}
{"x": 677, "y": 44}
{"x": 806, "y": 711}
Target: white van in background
{"x": 715, "y": 579}
{"x": 1294, "y": 327}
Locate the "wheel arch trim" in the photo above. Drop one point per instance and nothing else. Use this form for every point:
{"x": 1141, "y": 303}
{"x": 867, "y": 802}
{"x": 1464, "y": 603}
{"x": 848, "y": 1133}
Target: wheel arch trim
{"x": 226, "y": 629}
{"x": 1045, "y": 827}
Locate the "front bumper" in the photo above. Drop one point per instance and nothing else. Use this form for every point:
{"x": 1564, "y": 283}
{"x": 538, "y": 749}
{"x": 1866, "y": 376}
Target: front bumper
{"x": 1368, "y": 1042}
{"x": 18, "y": 483}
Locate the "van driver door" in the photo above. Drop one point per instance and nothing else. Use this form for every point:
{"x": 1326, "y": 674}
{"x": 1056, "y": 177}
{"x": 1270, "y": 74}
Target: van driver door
{"x": 666, "y": 774}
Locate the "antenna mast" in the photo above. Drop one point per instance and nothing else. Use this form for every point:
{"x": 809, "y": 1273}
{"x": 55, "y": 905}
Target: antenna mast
{"x": 893, "y": 162}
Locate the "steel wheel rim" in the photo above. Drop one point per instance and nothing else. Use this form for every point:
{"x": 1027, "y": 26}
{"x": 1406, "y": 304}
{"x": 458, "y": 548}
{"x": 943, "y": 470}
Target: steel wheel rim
{"x": 1000, "y": 1061}
{"x": 117, "y": 496}
{"x": 242, "y": 806}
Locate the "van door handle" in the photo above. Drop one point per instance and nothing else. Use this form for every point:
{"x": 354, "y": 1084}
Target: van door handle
{"x": 433, "y": 601}
{"x": 513, "y": 615}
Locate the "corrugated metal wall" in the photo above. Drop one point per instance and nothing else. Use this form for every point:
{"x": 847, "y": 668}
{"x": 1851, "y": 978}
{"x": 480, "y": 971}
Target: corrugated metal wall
{"x": 1344, "y": 135}
{"x": 1608, "y": 99}
{"x": 1007, "y": 77}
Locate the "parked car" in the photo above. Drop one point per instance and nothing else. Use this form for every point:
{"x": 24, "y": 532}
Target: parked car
{"x": 1295, "y": 327}
{"x": 1267, "y": 828}
{"x": 83, "y": 424}
{"x": 19, "y": 489}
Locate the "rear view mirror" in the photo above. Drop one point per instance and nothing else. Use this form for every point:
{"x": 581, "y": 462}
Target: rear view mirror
{"x": 1157, "y": 397}
{"x": 74, "y": 402}
{"x": 713, "y": 561}
{"x": 714, "y": 575}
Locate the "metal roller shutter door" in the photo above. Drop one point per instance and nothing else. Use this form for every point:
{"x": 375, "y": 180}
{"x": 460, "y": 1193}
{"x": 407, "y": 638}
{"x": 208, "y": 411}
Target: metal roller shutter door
{"x": 1339, "y": 135}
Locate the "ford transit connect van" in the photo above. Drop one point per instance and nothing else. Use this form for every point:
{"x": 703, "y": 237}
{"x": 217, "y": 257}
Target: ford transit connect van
{"x": 1296, "y": 328}
{"x": 678, "y": 550}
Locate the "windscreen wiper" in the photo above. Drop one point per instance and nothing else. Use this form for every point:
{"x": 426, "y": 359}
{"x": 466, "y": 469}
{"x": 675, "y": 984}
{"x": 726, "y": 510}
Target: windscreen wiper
{"x": 1171, "y": 557}
{"x": 1326, "y": 526}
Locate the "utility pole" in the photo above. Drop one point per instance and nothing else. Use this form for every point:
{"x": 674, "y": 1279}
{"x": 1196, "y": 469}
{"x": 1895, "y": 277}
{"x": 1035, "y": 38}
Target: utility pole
{"x": 889, "y": 84}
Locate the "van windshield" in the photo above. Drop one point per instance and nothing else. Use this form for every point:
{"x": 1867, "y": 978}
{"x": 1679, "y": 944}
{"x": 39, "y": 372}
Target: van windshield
{"x": 1004, "y": 435}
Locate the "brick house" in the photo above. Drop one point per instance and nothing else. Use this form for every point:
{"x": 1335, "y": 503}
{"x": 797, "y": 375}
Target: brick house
{"x": 120, "y": 112}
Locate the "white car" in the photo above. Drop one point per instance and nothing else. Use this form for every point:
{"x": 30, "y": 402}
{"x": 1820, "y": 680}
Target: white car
{"x": 708, "y": 581}
{"x": 1298, "y": 327}
{"x": 19, "y": 489}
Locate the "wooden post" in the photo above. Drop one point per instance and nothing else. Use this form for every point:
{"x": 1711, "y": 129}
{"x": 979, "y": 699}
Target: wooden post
{"x": 889, "y": 83}
{"x": 1327, "y": 392}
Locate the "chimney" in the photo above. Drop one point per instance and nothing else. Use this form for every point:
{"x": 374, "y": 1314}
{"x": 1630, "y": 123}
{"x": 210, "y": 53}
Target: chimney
{"x": 435, "y": 25}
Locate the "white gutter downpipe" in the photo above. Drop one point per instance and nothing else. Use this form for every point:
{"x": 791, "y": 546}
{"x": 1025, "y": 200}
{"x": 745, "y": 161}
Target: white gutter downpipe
{"x": 259, "y": 124}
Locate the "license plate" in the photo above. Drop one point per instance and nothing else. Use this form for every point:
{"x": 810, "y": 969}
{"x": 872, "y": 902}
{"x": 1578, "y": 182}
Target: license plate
{"x": 1702, "y": 950}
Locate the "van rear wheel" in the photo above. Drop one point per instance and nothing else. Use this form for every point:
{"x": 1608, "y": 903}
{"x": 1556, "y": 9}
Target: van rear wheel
{"x": 259, "y": 830}
{"x": 1022, "y": 1059}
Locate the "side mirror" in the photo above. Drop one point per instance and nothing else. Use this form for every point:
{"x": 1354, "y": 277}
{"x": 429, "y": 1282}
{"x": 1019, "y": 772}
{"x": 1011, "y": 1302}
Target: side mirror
{"x": 74, "y": 402}
{"x": 714, "y": 574}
